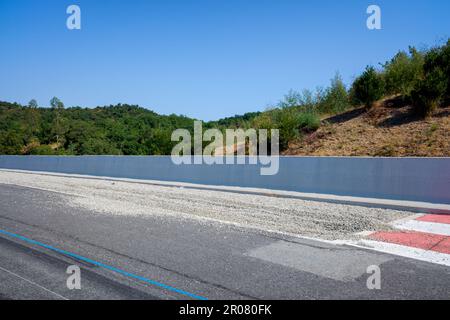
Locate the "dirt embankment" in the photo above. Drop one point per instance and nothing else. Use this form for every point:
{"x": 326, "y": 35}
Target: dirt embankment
{"x": 388, "y": 129}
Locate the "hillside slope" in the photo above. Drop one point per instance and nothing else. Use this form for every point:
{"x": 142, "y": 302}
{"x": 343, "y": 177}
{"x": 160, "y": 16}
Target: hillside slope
{"x": 387, "y": 129}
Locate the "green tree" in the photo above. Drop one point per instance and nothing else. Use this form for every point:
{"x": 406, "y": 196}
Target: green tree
{"x": 56, "y": 104}
{"x": 32, "y": 120}
{"x": 10, "y": 143}
{"x": 41, "y": 150}
{"x": 335, "y": 99}
{"x": 434, "y": 89}
{"x": 59, "y": 123}
{"x": 33, "y": 104}
{"x": 368, "y": 88}
{"x": 403, "y": 72}
{"x": 32, "y": 124}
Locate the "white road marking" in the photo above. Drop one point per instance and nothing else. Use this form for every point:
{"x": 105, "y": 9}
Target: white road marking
{"x": 34, "y": 283}
{"x": 423, "y": 226}
{"x": 403, "y": 251}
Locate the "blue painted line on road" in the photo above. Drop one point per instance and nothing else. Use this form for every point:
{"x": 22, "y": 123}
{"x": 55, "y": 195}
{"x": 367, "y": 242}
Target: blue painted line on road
{"x": 102, "y": 265}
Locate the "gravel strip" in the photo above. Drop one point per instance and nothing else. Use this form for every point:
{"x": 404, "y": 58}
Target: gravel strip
{"x": 304, "y": 218}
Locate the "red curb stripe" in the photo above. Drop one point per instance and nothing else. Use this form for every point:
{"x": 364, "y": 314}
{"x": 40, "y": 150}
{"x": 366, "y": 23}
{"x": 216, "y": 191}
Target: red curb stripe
{"x": 443, "y": 246}
{"x": 437, "y": 218}
{"x": 421, "y": 240}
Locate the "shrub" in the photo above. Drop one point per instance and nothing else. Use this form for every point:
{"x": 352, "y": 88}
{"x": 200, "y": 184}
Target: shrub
{"x": 265, "y": 121}
{"x": 305, "y": 101}
{"x": 335, "y": 99}
{"x": 41, "y": 150}
{"x": 368, "y": 88}
{"x": 435, "y": 86}
{"x": 290, "y": 121}
{"x": 403, "y": 72}
{"x": 286, "y": 121}
{"x": 439, "y": 59}
{"x": 308, "y": 121}
{"x": 291, "y": 99}
{"x": 429, "y": 93}
{"x": 10, "y": 143}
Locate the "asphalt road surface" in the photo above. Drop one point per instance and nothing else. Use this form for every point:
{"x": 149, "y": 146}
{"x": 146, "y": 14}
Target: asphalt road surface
{"x": 139, "y": 256}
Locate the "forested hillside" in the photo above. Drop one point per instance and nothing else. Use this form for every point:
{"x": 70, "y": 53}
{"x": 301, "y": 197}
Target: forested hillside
{"x": 120, "y": 129}
{"x": 116, "y": 130}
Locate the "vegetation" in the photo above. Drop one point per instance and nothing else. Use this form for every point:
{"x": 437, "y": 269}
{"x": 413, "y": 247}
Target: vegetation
{"x": 116, "y": 130}
{"x": 419, "y": 77}
{"x": 434, "y": 87}
{"x": 299, "y": 113}
{"x": 368, "y": 88}
{"x": 403, "y": 72}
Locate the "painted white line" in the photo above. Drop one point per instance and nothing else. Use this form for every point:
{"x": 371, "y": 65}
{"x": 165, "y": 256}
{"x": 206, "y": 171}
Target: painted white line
{"x": 34, "y": 283}
{"x": 403, "y": 251}
{"x": 423, "y": 226}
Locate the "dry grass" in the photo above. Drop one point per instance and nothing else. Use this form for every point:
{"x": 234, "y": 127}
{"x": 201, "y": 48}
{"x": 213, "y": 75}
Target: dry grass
{"x": 388, "y": 129}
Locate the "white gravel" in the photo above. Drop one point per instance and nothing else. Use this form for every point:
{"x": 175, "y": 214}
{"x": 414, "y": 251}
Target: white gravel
{"x": 293, "y": 216}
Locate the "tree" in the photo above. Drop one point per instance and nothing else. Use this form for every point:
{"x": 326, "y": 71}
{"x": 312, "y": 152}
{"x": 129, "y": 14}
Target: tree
{"x": 58, "y": 125}
{"x": 33, "y": 104}
{"x": 335, "y": 99}
{"x": 10, "y": 143}
{"x": 368, "y": 88}
{"x": 55, "y": 103}
{"x": 435, "y": 86}
{"x": 429, "y": 93}
{"x": 32, "y": 121}
{"x": 402, "y": 73}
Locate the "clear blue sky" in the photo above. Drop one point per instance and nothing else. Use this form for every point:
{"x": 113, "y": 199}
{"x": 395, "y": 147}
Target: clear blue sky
{"x": 202, "y": 58}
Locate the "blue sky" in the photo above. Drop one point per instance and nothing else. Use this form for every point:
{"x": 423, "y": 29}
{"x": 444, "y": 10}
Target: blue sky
{"x": 202, "y": 58}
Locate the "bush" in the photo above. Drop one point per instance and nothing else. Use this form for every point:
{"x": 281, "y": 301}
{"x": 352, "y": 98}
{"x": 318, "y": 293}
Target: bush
{"x": 286, "y": 121}
{"x": 41, "y": 150}
{"x": 367, "y": 88}
{"x": 306, "y": 101}
{"x": 93, "y": 146}
{"x": 308, "y": 122}
{"x": 266, "y": 121}
{"x": 11, "y": 143}
{"x": 429, "y": 93}
{"x": 403, "y": 72}
{"x": 335, "y": 99}
{"x": 291, "y": 99}
{"x": 434, "y": 89}
{"x": 289, "y": 121}
{"x": 437, "y": 61}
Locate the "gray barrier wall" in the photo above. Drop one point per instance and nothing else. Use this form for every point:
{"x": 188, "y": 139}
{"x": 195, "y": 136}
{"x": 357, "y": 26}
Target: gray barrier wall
{"x": 415, "y": 179}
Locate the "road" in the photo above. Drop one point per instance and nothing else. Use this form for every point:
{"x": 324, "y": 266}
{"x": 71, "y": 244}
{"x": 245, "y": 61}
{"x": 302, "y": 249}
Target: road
{"x": 165, "y": 256}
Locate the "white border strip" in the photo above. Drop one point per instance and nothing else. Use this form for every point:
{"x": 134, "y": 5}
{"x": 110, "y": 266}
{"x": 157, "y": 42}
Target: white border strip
{"x": 403, "y": 251}
{"x": 424, "y": 226}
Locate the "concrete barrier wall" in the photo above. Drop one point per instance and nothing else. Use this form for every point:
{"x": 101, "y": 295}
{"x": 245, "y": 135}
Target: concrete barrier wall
{"x": 415, "y": 179}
